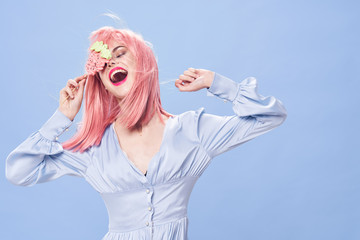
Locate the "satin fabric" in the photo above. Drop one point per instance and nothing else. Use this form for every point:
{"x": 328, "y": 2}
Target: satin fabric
{"x": 151, "y": 206}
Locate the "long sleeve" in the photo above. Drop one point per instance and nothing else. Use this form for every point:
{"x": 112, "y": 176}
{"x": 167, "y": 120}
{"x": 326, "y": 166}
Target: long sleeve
{"x": 254, "y": 115}
{"x": 41, "y": 158}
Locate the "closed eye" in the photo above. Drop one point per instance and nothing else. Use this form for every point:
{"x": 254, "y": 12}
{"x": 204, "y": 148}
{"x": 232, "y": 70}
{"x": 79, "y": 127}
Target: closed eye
{"x": 120, "y": 55}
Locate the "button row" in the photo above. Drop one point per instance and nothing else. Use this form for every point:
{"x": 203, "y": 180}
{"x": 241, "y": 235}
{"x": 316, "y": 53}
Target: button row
{"x": 149, "y": 208}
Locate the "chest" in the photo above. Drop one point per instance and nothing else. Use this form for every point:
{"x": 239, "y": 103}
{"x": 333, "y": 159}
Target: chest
{"x": 178, "y": 155}
{"x": 141, "y": 148}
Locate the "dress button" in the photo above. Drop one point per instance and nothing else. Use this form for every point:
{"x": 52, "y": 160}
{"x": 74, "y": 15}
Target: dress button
{"x": 67, "y": 129}
{"x": 149, "y": 208}
{"x": 147, "y": 223}
{"x": 147, "y": 190}
{"x": 56, "y": 138}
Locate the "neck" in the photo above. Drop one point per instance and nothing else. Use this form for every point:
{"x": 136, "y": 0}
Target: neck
{"x": 140, "y": 123}
{"x": 154, "y": 122}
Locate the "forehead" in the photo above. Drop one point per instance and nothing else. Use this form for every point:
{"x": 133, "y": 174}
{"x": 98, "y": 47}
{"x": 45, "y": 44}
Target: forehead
{"x": 113, "y": 45}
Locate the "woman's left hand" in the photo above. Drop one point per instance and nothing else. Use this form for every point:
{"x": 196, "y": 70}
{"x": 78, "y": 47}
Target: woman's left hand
{"x": 194, "y": 80}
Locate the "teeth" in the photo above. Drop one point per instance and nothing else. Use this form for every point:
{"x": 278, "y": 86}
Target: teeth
{"x": 118, "y": 70}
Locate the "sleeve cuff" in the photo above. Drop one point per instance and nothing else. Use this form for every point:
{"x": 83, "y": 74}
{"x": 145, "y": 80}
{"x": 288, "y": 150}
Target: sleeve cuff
{"x": 223, "y": 87}
{"x": 55, "y": 126}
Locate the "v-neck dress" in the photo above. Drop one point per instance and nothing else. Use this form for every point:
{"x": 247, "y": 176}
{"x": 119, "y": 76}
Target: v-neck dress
{"x": 151, "y": 206}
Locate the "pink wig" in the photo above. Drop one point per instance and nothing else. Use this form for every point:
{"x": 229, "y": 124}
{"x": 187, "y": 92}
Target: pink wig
{"x": 102, "y": 108}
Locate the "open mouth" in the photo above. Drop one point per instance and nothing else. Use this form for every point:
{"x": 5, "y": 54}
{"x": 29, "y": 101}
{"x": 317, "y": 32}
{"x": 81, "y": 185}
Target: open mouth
{"x": 118, "y": 75}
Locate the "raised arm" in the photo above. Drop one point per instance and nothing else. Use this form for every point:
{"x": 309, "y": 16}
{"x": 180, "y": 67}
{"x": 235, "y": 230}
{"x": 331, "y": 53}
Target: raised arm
{"x": 41, "y": 158}
{"x": 254, "y": 114}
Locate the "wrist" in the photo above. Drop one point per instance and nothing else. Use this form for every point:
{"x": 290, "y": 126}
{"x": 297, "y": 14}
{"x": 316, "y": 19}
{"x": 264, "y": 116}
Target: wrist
{"x": 210, "y": 79}
{"x": 224, "y": 87}
{"x": 69, "y": 115}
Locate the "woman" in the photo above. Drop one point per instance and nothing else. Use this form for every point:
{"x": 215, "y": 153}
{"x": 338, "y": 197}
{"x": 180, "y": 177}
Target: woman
{"x": 142, "y": 160}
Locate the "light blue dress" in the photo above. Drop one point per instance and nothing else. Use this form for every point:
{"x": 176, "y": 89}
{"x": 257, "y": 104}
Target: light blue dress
{"x": 152, "y": 206}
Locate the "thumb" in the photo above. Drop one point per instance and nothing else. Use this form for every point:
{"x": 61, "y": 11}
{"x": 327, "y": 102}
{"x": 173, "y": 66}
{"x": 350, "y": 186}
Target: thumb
{"x": 179, "y": 85}
{"x": 82, "y": 85}
{"x": 183, "y": 88}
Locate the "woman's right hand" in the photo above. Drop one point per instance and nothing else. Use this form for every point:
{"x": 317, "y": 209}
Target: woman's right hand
{"x": 71, "y": 96}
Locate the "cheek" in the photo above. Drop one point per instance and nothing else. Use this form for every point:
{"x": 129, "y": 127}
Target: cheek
{"x": 102, "y": 73}
{"x": 103, "y": 77}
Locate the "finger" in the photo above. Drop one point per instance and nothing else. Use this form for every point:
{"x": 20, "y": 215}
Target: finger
{"x": 186, "y": 78}
{"x": 65, "y": 99}
{"x": 78, "y": 79}
{"x": 192, "y": 70}
{"x": 72, "y": 84}
{"x": 82, "y": 85}
{"x": 190, "y": 73}
{"x": 64, "y": 96}
{"x": 182, "y": 82}
{"x": 63, "y": 93}
{"x": 196, "y": 71}
{"x": 69, "y": 92}
{"x": 179, "y": 84}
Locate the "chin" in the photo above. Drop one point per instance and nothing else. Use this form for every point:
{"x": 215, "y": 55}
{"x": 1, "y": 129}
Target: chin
{"x": 120, "y": 95}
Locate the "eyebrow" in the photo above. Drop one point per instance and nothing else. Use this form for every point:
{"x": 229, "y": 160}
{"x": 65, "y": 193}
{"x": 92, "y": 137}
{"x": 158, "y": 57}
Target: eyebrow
{"x": 117, "y": 48}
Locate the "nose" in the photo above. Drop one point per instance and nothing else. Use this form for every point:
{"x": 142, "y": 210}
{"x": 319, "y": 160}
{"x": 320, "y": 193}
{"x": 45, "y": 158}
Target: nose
{"x": 111, "y": 62}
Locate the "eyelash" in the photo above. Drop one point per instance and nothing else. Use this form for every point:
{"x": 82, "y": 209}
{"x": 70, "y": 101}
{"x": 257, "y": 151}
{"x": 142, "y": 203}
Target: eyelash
{"x": 117, "y": 57}
{"x": 120, "y": 55}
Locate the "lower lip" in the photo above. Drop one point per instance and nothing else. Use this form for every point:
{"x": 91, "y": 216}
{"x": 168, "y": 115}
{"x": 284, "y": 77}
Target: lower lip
{"x": 119, "y": 83}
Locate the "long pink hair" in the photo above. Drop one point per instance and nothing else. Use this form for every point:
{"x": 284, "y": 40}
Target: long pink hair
{"x": 102, "y": 108}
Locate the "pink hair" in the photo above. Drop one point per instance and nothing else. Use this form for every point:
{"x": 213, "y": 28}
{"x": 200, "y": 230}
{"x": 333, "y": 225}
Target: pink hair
{"x": 102, "y": 108}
